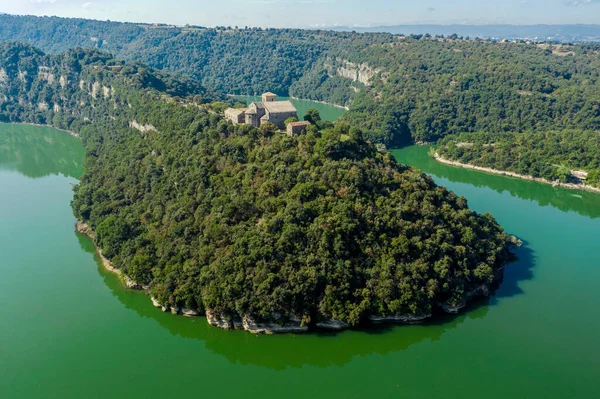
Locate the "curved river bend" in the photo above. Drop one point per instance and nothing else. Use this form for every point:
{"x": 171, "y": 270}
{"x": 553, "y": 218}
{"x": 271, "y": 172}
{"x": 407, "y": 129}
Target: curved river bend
{"x": 70, "y": 330}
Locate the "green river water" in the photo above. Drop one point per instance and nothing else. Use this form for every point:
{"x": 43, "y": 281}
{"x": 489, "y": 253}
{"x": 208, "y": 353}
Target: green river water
{"x": 70, "y": 330}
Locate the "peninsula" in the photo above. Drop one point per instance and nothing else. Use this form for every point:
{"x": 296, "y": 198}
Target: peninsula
{"x": 251, "y": 227}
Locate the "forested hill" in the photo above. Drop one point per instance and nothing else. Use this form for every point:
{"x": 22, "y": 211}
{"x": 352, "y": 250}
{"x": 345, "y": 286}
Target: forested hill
{"x": 255, "y": 228}
{"x": 400, "y": 89}
{"x": 62, "y": 89}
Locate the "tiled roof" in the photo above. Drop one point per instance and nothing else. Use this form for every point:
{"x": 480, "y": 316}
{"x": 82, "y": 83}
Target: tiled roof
{"x": 279, "y": 107}
{"x": 236, "y": 111}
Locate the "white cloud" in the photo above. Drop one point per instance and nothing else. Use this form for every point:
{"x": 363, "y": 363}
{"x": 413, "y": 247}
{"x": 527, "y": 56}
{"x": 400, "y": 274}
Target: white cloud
{"x": 87, "y": 5}
{"x": 575, "y": 3}
{"x": 42, "y": 1}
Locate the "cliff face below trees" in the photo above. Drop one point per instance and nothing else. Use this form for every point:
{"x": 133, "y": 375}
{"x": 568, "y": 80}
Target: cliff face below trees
{"x": 256, "y": 230}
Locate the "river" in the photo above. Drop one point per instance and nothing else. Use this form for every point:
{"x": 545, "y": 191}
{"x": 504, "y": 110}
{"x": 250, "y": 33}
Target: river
{"x": 71, "y": 330}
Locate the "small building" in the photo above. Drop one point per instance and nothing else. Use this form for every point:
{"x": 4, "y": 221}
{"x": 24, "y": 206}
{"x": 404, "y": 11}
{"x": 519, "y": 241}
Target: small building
{"x": 236, "y": 115}
{"x": 269, "y": 97}
{"x": 297, "y": 128}
{"x": 269, "y": 110}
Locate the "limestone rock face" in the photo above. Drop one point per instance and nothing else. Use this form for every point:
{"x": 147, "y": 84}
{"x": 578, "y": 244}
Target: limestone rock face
{"x": 132, "y": 284}
{"x": 141, "y": 128}
{"x": 247, "y": 323}
{"x": 217, "y": 320}
{"x": 106, "y": 92}
{"x": 332, "y": 325}
{"x": 403, "y": 318}
{"x": 3, "y": 77}
{"x": 362, "y": 73}
{"x": 190, "y": 312}
{"x": 85, "y": 229}
{"x": 155, "y": 302}
{"x": 254, "y": 327}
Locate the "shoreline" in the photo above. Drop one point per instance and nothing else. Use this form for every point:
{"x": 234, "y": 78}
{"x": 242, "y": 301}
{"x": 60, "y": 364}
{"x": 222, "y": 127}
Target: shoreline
{"x": 293, "y": 325}
{"x": 41, "y": 125}
{"x": 322, "y": 102}
{"x": 569, "y": 186}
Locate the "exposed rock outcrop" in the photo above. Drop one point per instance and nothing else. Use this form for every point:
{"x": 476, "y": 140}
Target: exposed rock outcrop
{"x": 218, "y": 320}
{"x": 255, "y": 327}
{"x": 332, "y": 325}
{"x": 3, "y": 76}
{"x": 403, "y": 318}
{"x": 44, "y": 74}
{"x": 142, "y": 128}
{"x": 190, "y": 312}
{"x": 362, "y": 73}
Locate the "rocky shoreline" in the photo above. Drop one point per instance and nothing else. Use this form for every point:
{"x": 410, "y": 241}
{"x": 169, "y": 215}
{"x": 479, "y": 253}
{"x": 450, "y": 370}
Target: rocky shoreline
{"x": 40, "y": 125}
{"x": 291, "y": 324}
{"x": 322, "y": 102}
{"x": 569, "y": 186}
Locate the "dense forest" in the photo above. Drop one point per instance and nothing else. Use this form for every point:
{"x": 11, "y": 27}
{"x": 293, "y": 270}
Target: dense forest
{"x": 250, "y": 223}
{"x": 400, "y": 89}
{"x": 551, "y": 155}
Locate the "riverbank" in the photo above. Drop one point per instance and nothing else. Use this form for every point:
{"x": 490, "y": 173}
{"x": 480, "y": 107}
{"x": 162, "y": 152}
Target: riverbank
{"x": 322, "y": 102}
{"x": 569, "y": 186}
{"x": 40, "y": 125}
{"x": 85, "y": 229}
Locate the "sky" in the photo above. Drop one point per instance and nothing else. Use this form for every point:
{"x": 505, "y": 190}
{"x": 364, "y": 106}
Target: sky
{"x": 317, "y": 13}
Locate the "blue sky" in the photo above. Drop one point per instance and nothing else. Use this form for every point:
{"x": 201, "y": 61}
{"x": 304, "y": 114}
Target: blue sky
{"x": 316, "y": 13}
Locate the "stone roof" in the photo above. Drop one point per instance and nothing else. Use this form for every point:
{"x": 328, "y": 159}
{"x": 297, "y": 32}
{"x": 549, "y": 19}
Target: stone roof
{"x": 276, "y": 107}
{"x": 269, "y": 94}
{"x": 259, "y": 105}
{"x": 236, "y": 111}
{"x": 301, "y": 123}
{"x": 251, "y": 111}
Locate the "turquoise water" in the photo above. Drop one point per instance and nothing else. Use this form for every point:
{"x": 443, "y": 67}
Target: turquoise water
{"x": 71, "y": 330}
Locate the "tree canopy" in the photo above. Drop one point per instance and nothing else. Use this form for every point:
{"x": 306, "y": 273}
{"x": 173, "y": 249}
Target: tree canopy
{"x": 245, "y": 221}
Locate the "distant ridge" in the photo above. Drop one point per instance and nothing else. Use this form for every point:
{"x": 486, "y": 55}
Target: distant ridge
{"x": 558, "y": 33}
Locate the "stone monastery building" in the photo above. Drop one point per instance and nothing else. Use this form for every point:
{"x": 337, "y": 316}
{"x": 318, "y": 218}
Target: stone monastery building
{"x": 258, "y": 113}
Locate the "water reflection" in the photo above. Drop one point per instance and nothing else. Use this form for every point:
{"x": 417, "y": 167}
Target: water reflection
{"x": 36, "y": 151}
{"x": 583, "y": 202}
{"x": 515, "y": 273}
{"x": 317, "y": 349}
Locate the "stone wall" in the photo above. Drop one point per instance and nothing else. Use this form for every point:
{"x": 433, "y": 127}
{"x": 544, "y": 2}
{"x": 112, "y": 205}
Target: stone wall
{"x": 279, "y": 118}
